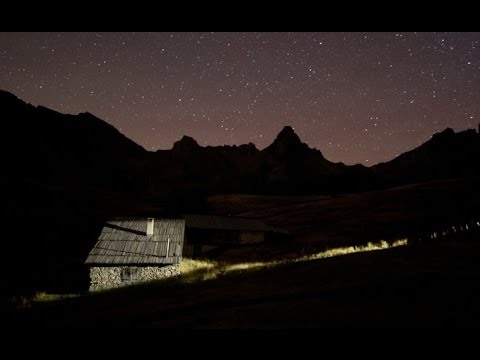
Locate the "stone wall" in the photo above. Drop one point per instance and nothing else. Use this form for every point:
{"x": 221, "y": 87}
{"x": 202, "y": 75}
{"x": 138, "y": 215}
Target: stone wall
{"x": 107, "y": 277}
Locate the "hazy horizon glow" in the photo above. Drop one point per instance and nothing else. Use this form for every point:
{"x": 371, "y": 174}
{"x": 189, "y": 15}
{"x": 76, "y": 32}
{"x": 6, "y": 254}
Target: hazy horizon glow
{"x": 357, "y": 97}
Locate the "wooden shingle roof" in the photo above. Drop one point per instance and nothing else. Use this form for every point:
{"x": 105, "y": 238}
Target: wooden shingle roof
{"x": 125, "y": 241}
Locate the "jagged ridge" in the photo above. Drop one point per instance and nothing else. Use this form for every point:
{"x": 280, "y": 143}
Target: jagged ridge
{"x": 43, "y": 144}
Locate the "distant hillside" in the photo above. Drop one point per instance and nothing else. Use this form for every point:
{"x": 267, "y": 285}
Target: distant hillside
{"x": 41, "y": 145}
{"x": 445, "y": 155}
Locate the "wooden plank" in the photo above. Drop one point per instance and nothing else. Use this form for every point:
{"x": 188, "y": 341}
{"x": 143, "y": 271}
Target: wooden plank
{"x": 168, "y": 247}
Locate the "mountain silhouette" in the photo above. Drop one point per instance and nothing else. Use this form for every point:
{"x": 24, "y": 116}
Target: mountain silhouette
{"x": 446, "y": 155}
{"x": 287, "y": 166}
{"x": 287, "y": 141}
{"x": 40, "y": 145}
{"x": 64, "y": 175}
{"x": 185, "y": 144}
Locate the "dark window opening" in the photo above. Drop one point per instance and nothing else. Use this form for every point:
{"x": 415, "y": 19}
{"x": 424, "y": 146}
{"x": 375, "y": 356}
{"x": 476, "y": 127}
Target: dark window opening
{"x": 129, "y": 274}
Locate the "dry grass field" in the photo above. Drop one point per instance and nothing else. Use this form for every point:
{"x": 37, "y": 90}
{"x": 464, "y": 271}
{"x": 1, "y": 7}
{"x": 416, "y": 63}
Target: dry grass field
{"x": 418, "y": 286}
{"x": 317, "y": 223}
{"x": 407, "y": 287}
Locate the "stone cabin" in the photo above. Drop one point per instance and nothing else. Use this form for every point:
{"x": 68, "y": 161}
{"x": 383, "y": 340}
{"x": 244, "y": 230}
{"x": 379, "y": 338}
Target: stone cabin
{"x": 131, "y": 250}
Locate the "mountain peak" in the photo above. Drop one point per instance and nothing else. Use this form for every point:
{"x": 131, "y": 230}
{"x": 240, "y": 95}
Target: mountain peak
{"x": 287, "y": 138}
{"x": 446, "y": 132}
{"x": 288, "y": 134}
{"x": 286, "y": 141}
{"x": 186, "y": 143}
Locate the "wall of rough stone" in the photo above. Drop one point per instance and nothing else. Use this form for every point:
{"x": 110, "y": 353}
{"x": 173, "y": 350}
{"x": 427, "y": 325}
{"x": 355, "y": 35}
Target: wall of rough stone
{"x": 107, "y": 277}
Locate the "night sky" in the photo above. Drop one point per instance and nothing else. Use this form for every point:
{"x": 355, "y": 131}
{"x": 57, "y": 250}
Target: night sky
{"x": 357, "y": 97}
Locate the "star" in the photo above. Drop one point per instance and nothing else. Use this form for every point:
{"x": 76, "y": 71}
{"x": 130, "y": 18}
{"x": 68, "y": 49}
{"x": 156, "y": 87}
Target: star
{"x": 354, "y": 96}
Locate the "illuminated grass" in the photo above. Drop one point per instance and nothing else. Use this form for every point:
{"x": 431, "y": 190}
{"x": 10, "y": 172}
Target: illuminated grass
{"x": 193, "y": 271}
{"x": 199, "y": 270}
{"x": 25, "y": 302}
{"x": 44, "y": 296}
{"x": 382, "y": 245}
{"x": 190, "y": 265}
{"x": 249, "y": 266}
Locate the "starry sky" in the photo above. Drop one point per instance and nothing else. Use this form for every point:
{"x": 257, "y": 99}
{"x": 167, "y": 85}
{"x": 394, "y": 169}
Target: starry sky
{"x": 357, "y": 97}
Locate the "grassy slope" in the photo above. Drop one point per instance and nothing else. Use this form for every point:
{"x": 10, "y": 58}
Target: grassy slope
{"x": 408, "y": 287}
{"x": 394, "y": 213}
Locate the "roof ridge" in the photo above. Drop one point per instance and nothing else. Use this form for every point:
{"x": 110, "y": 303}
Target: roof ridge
{"x": 121, "y": 228}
